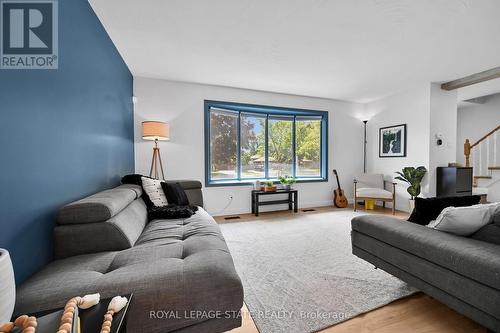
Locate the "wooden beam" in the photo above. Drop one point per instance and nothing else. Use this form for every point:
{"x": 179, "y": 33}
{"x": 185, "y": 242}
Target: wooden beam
{"x": 472, "y": 79}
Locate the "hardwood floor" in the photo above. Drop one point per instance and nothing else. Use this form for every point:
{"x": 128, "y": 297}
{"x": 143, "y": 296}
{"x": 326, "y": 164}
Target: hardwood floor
{"x": 315, "y": 210}
{"x": 418, "y": 313}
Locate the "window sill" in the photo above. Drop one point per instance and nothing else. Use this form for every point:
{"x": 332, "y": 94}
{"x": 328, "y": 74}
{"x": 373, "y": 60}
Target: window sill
{"x": 250, "y": 182}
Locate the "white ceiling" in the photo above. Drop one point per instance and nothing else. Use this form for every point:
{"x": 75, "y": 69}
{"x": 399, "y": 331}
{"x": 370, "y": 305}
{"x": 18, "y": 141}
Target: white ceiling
{"x": 357, "y": 50}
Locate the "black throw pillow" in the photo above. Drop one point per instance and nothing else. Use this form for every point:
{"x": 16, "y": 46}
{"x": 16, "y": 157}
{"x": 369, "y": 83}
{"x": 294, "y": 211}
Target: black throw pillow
{"x": 134, "y": 179}
{"x": 428, "y": 209}
{"x": 175, "y": 194}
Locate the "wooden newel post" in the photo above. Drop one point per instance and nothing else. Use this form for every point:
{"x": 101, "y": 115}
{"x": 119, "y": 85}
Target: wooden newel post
{"x": 467, "y": 152}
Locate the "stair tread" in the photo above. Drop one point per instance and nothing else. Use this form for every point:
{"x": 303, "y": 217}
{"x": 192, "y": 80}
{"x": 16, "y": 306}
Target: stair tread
{"x": 482, "y": 177}
{"x": 494, "y": 168}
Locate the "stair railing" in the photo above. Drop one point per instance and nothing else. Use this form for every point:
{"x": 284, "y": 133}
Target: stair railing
{"x": 484, "y": 154}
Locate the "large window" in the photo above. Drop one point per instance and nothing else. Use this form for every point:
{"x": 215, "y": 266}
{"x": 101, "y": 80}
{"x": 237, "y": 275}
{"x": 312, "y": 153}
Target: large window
{"x": 247, "y": 142}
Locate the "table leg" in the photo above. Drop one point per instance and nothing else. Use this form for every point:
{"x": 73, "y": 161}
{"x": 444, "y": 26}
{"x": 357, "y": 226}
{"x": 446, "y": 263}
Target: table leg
{"x": 290, "y": 201}
{"x": 253, "y": 203}
{"x": 256, "y": 205}
{"x": 296, "y": 202}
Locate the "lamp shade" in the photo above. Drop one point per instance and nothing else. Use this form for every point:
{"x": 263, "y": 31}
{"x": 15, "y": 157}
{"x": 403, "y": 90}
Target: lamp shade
{"x": 7, "y": 287}
{"x": 155, "y": 130}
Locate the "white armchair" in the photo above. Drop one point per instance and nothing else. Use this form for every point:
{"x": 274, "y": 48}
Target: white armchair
{"x": 372, "y": 187}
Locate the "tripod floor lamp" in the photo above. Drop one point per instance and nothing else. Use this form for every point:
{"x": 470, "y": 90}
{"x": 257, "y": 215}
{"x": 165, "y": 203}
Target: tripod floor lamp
{"x": 156, "y": 131}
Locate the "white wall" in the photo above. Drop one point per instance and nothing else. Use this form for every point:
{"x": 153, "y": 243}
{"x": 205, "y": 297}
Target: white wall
{"x": 475, "y": 120}
{"x": 443, "y": 120}
{"x": 181, "y": 104}
{"x": 426, "y": 110}
{"x": 411, "y": 107}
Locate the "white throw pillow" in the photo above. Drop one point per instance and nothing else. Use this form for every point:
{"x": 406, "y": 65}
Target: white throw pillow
{"x": 464, "y": 221}
{"x": 153, "y": 189}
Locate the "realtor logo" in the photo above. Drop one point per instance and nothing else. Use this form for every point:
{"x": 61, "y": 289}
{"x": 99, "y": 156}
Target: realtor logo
{"x": 29, "y": 34}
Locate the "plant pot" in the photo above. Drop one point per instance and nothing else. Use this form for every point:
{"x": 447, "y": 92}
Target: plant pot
{"x": 270, "y": 188}
{"x": 411, "y": 203}
{"x": 369, "y": 204}
{"x": 286, "y": 186}
{"x": 7, "y": 287}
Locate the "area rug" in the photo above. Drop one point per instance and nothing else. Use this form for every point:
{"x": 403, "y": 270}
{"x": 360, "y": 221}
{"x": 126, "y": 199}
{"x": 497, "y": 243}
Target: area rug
{"x": 299, "y": 274}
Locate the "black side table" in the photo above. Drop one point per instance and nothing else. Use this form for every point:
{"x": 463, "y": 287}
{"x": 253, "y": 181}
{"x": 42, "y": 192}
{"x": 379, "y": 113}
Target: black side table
{"x": 90, "y": 320}
{"x": 292, "y": 199}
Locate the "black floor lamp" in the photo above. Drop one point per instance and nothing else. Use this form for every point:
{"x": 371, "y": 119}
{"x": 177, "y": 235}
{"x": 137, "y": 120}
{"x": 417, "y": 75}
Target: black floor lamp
{"x": 364, "y": 155}
{"x": 364, "y": 148}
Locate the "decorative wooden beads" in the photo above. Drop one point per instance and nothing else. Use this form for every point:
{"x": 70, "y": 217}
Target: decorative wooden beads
{"x": 68, "y": 315}
{"x": 28, "y": 325}
{"x": 108, "y": 321}
{"x": 115, "y": 306}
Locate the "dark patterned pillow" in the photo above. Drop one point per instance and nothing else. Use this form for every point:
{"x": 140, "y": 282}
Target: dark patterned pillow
{"x": 175, "y": 194}
{"x": 428, "y": 209}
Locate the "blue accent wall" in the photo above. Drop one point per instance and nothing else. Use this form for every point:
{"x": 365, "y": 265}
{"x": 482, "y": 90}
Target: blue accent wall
{"x": 64, "y": 134}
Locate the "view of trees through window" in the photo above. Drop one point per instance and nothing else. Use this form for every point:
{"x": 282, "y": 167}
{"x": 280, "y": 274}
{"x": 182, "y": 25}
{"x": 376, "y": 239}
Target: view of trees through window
{"x": 308, "y": 147}
{"x": 280, "y": 146}
{"x": 281, "y": 131}
{"x": 224, "y": 144}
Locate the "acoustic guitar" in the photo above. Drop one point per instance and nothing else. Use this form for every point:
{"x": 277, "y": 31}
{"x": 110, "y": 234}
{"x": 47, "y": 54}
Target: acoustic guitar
{"x": 339, "y": 199}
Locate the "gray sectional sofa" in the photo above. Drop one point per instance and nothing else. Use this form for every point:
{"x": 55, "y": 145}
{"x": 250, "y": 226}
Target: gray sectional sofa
{"x": 180, "y": 271}
{"x": 462, "y": 272}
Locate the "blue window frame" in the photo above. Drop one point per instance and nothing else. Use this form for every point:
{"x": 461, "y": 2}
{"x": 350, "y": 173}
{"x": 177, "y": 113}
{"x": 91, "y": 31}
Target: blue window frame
{"x": 245, "y": 142}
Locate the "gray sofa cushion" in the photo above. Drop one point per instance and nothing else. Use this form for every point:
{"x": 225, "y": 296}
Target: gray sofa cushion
{"x": 176, "y": 265}
{"x": 136, "y": 188}
{"x": 62, "y": 280}
{"x": 491, "y": 232}
{"x": 118, "y": 233}
{"x": 476, "y": 260}
{"x": 99, "y": 207}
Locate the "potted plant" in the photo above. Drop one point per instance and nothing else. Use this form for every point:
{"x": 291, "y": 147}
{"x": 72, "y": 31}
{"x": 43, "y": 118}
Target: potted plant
{"x": 269, "y": 186}
{"x": 412, "y": 176}
{"x": 287, "y": 181}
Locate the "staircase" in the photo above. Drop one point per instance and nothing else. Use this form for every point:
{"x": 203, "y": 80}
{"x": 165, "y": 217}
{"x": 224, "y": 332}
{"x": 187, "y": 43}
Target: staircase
{"x": 484, "y": 157}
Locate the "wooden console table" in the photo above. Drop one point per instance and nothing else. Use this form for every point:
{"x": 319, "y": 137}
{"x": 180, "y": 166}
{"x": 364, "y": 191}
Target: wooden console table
{"x": 292, "y": 200}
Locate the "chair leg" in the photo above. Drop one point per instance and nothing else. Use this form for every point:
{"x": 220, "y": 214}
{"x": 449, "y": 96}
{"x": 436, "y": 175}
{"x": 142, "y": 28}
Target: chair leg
{"x": 383, "y": 204}
{"x": 394, "y": 208}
